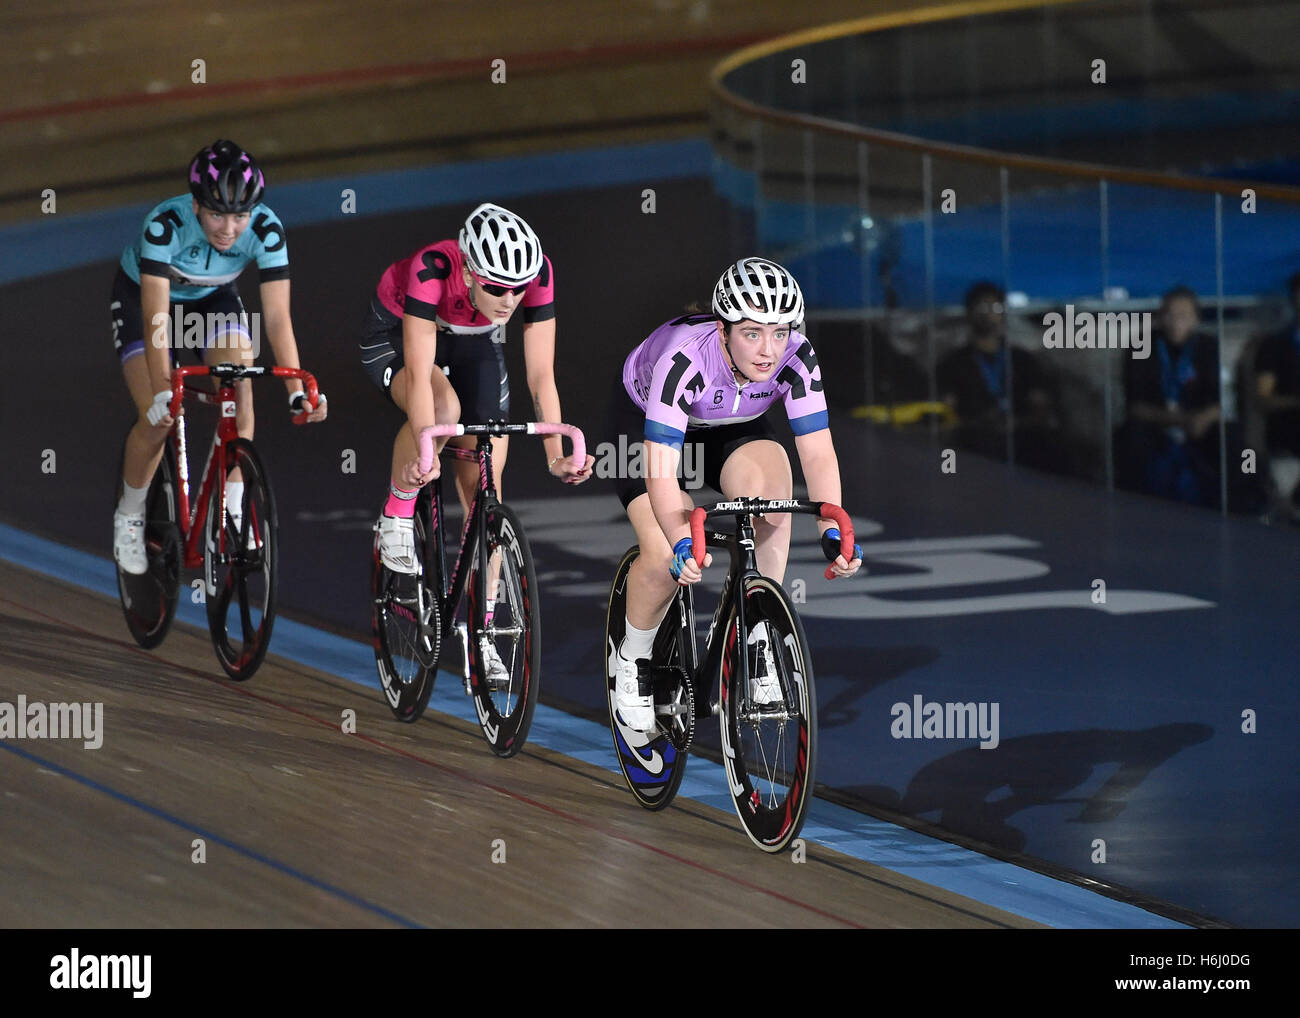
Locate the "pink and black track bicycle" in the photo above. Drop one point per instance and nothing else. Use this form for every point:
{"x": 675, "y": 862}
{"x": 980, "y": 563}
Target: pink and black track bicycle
{"x": 413, "y": 617}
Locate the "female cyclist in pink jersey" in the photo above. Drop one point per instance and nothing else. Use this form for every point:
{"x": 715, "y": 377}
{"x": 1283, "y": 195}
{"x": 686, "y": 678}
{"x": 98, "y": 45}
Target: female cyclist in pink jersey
{"x": 432, "y": 341}
{"x": 710, "y": 378}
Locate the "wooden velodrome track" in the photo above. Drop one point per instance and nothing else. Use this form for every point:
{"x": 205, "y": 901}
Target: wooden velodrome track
{"x": 394, "y": 825}
{"x": 304, "y": 825}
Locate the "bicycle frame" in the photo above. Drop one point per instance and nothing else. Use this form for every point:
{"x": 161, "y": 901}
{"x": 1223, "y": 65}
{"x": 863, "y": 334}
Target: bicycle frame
{"x": 191, "y": 519}
{"x": 744, "y": 566}
{"x": 450, "y": 591}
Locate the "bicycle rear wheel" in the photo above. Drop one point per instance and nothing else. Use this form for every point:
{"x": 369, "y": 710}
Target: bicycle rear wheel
{"x": 651, "y": 764}
{"x": 505, "y": 707}
{"x": 149, "y": 600}
{"x": 769, "y": 751}
{"x": 239, "y": 566}
{"x": 405, "y": 623}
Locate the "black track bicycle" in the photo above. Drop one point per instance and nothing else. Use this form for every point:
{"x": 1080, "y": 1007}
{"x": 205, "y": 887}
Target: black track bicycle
{"x": 755, "y": 674}
{"x": 414, "y": 616}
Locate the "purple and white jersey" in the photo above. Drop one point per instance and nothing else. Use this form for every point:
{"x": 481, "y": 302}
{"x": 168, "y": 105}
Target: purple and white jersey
{"x": 681, "y": 379}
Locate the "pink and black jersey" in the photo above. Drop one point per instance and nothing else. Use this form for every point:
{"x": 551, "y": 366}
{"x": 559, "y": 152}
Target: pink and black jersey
{"x": 430, "y": 285}
{"x": 681, "y": 379}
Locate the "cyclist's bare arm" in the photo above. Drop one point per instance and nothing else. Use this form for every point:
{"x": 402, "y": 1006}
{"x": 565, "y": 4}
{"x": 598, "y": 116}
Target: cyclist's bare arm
{"x": 155, "y": 296}
{"x": 821, "y": 469}
{"x": 539, "y": 363}
{"x": 279, "y": 333}
{"x": 419, "y": 348}
{"x": 671, "y": 508}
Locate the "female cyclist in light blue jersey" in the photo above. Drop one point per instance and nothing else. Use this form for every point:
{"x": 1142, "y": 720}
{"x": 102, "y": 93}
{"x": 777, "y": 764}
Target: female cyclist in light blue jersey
{"x": 184, "y": 264}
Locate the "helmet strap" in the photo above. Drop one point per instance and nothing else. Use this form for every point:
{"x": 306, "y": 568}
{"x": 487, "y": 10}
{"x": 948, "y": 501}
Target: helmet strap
{"x": 469, "y": 290}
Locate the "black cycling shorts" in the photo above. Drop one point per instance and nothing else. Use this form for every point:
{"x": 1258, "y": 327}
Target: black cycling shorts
{"x": 704, "y": 452}
{"x": 127, "y": 316}
{"x": 475, "y": 365}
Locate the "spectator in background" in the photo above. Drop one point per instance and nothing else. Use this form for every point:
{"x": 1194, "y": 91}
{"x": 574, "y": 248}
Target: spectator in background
{"x": 973, "y": 381}
{"x": 1169, "y": 445}
{"x": 1277, "y": 387}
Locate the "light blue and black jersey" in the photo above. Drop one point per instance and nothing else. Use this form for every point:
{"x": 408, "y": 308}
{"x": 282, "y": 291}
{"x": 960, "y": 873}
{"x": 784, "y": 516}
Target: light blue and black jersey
{"x": 172, "y": 244}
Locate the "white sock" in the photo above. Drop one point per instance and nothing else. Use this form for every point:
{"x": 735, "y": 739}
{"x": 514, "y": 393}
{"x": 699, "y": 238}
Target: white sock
{"x": 235, "y": 499}
{"x": 637, "y": 643}
{"x": 132, "y": 502}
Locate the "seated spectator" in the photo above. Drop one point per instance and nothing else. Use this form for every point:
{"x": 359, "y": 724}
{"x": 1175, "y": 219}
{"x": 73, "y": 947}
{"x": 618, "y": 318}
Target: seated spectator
{"x": 973, "y": 381}
{"x": 1277, "y": 388}
{"x": 1169, "y": 444}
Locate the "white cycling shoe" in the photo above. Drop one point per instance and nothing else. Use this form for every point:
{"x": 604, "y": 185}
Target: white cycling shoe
{"x": 633, "y": 696}
{"x": 237, "y": 524}
{"x": 397, "y": 543}
{"x": 764, "y": 686}
{"x": 498, "y": 676}
{"x": 128, "y": 544}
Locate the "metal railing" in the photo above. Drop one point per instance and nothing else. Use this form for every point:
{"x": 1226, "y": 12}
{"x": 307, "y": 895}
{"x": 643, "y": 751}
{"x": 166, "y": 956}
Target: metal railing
{"x": 849, "y": 152}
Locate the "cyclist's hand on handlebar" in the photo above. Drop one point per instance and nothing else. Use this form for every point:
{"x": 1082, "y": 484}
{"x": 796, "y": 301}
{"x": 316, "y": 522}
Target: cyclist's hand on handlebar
{"x": 411, "y": 476}
{"x": 567, "y": 471}
{"x": 831, "y": 549}
{"x": 159, "y": 412}
{"x": 685, "y": 570}
{"x": 299, "y": 406}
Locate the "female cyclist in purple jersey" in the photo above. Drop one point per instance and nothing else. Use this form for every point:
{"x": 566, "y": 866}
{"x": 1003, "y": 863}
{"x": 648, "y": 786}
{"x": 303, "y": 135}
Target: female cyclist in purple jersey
{"x": 189, "y": 253}
{"x": 710, "y": 379}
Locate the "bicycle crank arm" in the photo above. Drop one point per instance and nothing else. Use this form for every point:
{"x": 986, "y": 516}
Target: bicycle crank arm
{"x": 462, "y": 630}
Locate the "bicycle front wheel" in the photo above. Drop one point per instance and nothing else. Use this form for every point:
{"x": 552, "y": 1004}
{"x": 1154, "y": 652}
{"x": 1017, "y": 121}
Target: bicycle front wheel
{"x": 239, "y": 565}
{"x": 149, "y": 600}
{"x": 505, "y": 652}
{"x": 405, "y": 623}
{"x": 769, "y": 748}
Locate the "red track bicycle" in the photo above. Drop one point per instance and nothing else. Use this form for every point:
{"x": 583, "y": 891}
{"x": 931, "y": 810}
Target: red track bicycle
{"x": 233, "y": 545}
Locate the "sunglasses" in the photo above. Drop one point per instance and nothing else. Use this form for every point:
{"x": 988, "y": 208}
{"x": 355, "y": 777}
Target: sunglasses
{"x": 496, "y": 289}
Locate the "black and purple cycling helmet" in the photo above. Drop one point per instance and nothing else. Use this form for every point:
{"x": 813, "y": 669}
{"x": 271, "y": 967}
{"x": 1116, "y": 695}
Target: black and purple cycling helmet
{"x": 225, "y": 178}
